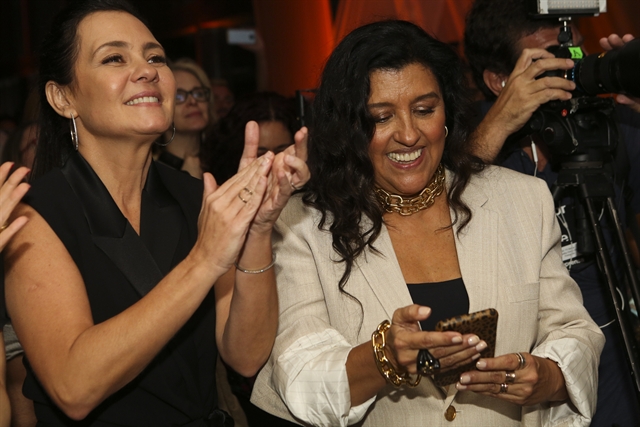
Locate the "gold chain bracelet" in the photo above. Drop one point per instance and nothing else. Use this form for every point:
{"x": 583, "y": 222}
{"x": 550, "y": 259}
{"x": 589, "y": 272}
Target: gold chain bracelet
{"x": 378, "y": 340}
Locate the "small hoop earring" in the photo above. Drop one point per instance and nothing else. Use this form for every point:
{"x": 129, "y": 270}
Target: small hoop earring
{"x": 173, "y": 135}
{"x": 74, "y": 132}
{"x": 446, "y": 131}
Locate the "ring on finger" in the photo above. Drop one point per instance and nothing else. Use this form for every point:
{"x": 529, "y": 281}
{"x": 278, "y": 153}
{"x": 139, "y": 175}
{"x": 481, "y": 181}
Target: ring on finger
{"x": 510, "y": 377}
{"x": 294, "y": 187}
{"x": 426, "y": 364}
{"x": 504, "y": 388}
{"x": 4, "y": 226}
{"x": 521, "y": 361}
{"x": 248, "y": 192}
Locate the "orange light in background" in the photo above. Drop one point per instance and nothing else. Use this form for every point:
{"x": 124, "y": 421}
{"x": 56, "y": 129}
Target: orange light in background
{"x": 298, "y": 38}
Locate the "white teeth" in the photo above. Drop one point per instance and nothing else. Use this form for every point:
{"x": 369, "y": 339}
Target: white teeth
{"x": 405, "y": 157}
{"x": 143, "y": 99}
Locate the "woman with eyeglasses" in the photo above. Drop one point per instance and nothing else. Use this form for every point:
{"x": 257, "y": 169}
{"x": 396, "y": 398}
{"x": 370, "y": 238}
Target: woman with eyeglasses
{"x": 179, "y": 147}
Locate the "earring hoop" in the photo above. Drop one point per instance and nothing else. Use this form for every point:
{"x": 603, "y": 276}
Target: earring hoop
{"x": 173, "y": 135}
{"x": 446, "y": 131}
{"x": 74, "y": 132}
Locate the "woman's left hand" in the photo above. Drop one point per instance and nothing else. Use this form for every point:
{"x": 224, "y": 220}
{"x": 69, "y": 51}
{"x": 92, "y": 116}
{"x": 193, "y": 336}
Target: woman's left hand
{"x": 504, "y": 377}
{"x": 288, "y": 173}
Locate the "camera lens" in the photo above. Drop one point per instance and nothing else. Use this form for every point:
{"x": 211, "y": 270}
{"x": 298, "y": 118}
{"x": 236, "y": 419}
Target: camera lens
{"x": 615, "y": 71}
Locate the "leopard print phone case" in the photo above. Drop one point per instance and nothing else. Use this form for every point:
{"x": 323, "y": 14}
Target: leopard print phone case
{"x": 482, "y": 323}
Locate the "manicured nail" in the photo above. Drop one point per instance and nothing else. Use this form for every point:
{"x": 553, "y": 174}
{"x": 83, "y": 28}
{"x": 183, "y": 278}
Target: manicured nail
{"x": 481, "y": 364}
{"x": 481, "y": 346}
{"x": 475, "y": 356}
{"x": 456, "y": 340}
{"x": 464, "y": 379}
{"x": 423, "y": 311}
{"x": 474, "y": 340}
{"x": 460, "y": 387}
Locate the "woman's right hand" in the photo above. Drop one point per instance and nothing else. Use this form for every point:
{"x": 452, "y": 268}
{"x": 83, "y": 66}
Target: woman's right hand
{"x": 227, "y": 212}
{"x": 12, "y": 189}
{"x": 405, "y": 339}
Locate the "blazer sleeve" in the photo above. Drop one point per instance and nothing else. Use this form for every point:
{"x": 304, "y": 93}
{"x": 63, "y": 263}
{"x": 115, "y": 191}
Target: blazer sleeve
{"x": 566, "y": 333}
{"x": 309, "y": 356}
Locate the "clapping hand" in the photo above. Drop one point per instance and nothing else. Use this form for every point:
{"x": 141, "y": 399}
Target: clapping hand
{"x": 288, "y": 173}
{"x": 12, "y": 189}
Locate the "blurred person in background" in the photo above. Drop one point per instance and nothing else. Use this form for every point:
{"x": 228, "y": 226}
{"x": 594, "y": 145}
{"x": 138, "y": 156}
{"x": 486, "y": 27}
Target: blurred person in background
{"x": 180, "y": 146}
{"x": 223, "y": 97}
{"x": 276, "y": 116}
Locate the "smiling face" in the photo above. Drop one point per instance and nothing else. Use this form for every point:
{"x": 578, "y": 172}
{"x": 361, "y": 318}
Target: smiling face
{"x": 191, "y": 115}
{"x": 122, "y": 86}
{"x": 408, "y": 108}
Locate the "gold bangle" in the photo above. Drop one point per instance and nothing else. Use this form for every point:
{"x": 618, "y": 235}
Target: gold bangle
{"x": 378, "y": 340}
{"x": 262, "y": 270}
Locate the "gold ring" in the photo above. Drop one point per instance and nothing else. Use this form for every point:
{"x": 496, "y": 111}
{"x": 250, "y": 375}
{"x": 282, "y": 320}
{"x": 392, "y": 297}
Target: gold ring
{"x": 504, "y": 387}
{"x": 510, "y": 377}
{"x": 521, "y": 361}
{"x": 4, "y": 226}
{"x": 294, "y": 187}
{"x": 249, "y": 192}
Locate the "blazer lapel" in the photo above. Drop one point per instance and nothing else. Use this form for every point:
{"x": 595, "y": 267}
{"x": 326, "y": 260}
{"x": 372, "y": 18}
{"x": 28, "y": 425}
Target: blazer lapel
{"x": 477, "y": 249}
{"x": 382, "y": 271}
{"x": 110, "y": 230}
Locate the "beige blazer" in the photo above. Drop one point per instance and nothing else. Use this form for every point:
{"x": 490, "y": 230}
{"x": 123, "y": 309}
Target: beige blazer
{"x": 510, "y": 259}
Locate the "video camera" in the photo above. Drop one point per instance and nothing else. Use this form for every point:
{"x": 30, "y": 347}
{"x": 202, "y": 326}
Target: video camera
{"x": 584, "y": 127}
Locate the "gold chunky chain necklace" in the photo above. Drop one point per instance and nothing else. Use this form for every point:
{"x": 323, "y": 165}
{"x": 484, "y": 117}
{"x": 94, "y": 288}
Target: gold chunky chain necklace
{"x": 410, "y": 205}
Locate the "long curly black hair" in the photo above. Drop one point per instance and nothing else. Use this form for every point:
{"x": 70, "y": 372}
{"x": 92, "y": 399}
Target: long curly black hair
{"x": 342, "y": 174}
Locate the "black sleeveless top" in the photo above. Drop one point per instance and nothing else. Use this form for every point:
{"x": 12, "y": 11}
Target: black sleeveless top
{"x": 446, "y": 299}
{"x": 119, "y": 267}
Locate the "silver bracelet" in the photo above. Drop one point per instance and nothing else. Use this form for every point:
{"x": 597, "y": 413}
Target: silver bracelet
{"x": 262, "y": 270}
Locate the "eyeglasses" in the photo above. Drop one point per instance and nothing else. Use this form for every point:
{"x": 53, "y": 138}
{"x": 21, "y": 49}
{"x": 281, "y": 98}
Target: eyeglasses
{"x": 200, "y": 94}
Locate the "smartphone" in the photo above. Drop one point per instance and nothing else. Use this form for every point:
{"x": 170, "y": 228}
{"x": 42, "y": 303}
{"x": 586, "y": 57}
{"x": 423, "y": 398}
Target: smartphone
{"x": 482, "y": 323}
{"x": 241, "y": 36}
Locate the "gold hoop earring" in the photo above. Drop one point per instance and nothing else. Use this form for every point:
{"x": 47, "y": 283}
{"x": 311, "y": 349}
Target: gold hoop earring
{"x": 74, "y": 132}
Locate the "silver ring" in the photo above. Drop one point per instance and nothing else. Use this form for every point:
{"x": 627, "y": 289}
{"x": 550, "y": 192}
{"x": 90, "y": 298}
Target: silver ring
{"x": 294, "y": 187}
{"x": 248, "y": 192}
{"x": 510, "y": 377}
{"x": 521, "y": 361}
{"x": 504, "y": 388}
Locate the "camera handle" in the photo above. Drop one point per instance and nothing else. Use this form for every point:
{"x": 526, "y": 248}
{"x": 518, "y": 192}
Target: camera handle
{"x": 592, "y": 184}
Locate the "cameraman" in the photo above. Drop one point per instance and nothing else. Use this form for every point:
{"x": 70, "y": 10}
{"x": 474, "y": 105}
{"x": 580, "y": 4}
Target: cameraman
{"x": 506, "y": 51}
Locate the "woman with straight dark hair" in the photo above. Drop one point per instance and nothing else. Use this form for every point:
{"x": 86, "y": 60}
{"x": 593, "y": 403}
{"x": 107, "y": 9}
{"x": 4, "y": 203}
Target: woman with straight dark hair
{"x": 223, "y": 148}
{"x": 399, "y": 221}
{"x": 122, "y": 287}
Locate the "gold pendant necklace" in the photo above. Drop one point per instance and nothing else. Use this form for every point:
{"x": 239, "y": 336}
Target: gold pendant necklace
{"x": 412, "y": 204}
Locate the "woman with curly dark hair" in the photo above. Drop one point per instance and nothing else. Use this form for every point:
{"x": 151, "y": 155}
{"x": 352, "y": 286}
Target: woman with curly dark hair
{"x": 400, "y": 221}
